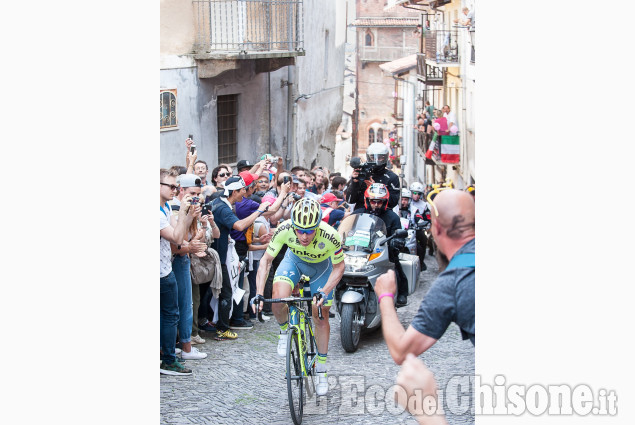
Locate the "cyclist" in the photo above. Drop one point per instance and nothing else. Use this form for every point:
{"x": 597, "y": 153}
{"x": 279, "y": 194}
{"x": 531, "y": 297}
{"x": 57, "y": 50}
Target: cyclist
{"x": 314, "y": 250}
{"x": 419, "y": 206}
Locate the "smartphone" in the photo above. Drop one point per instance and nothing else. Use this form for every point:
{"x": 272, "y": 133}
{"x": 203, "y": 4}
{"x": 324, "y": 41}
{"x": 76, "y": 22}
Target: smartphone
{"x": 286, "y": 179}
{"x": 193, "y": 147}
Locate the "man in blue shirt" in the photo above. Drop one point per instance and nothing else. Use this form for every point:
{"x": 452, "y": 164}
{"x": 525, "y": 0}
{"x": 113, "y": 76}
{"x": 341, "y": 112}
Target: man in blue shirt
{"x": 451, "y": 296}
{"x": 226, "y": 220}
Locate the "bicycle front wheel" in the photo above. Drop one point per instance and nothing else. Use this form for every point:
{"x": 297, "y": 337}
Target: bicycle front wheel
{"x": 295, "y": 381}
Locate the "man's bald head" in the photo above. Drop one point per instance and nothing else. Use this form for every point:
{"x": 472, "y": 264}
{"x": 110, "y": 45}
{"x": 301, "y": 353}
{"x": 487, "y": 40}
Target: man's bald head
{"x": 456, "y": 213}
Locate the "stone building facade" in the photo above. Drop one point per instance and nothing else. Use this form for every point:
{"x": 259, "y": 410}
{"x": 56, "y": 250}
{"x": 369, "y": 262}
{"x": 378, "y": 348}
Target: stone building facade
{"x": 258, "y": 95}
{"x": 382, "y": 36}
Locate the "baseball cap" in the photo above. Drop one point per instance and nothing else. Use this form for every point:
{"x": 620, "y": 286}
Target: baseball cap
{"x": 189, "y": 180}
{"x": 243, "y": 163}
{"x": 329, "y": 197}
{"x": 248, "y": 177}
{"x": 234, "y": 183}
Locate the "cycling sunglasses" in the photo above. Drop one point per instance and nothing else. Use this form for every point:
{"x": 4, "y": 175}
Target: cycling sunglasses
{"x": 416, "y": 193}
{"x": 304, "y": 232}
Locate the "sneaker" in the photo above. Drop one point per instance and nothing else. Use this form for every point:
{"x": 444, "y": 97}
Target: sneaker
{"x": 175, "y": 368}
{"x": 207, "y": 327}
{"x": 402, "y": 300}
{"x": 424, "y": 267}
{"x": 197, "y": 340}
{"x": 265, "y": 318}
{"x": 177, "y": 350}
{"x": 322, "y": 384}
{"x": 225, "y": 335}
{"x": 193, "y": 355}
{"x": 244, "y": 324}
{"x": 282, "y": 344}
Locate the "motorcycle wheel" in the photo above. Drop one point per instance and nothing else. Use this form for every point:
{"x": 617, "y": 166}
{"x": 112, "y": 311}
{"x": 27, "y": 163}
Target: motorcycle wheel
{"x": 350, "y": 329}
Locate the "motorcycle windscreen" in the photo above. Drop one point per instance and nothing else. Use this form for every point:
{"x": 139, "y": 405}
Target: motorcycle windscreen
{"x": 360, "y": 232}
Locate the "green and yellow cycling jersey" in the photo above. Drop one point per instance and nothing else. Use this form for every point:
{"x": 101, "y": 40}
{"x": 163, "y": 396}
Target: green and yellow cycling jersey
{"x": 326, "y": 243}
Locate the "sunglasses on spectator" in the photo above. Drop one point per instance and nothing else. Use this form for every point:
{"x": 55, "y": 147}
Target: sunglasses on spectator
{"x": 171, "y": 186}
{"x": 263, "y": 181}
{"x": 223, "y": 174}
{"x": 304, "y": 232}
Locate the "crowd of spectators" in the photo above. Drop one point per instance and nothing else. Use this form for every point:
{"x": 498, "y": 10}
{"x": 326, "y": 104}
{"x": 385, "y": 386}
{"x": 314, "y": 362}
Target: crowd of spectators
{"x": 229, "y": 214}
{"x": 215, "y": 226}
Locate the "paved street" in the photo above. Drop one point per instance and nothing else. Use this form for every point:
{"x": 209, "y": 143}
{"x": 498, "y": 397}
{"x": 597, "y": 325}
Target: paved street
{"x": 242, "y": 381}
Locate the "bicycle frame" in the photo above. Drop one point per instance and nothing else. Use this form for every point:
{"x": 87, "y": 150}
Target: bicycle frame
{"x": 298, "y": 319}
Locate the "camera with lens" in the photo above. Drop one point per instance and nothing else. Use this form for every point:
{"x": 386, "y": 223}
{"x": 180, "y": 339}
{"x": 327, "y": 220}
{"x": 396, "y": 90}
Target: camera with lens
{"x": 195, "y": 200}
{"x": 365, "y": 170}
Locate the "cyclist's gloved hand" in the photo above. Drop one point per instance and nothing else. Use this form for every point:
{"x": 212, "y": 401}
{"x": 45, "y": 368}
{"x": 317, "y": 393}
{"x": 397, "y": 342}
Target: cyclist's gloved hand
{"x": 256, "y": 303}
{"x": 319, "y": 296}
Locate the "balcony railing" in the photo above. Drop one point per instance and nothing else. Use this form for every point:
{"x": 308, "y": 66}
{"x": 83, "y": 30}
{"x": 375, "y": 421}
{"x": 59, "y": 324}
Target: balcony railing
{"x": 249, "y": 26}
{"x": 442, "y": 46}
{"x": 430, "y": 75}
{"x": 384, "y": 53}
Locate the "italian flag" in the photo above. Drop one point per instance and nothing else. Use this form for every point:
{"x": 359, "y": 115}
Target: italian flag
{"x": 450, "y": 149}
{"x": 431, "y": 147}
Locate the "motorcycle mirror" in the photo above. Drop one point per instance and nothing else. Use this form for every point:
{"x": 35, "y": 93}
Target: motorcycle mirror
{"x": 401, "y": 233}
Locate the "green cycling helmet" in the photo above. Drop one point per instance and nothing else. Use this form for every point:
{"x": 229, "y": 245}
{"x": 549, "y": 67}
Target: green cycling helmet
{"x": 306, "y": 214}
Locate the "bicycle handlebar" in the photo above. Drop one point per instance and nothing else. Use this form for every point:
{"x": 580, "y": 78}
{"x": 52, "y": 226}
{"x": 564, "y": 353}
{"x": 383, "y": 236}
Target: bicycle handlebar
{"x": 294, "y": 299}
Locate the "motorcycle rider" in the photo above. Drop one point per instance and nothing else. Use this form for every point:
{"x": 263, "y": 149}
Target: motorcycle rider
{"x": 419, "y": 206}
{"x": 376, "y": 200}
{"x": 403, "y": 210}
{"x": 378, "y": 154}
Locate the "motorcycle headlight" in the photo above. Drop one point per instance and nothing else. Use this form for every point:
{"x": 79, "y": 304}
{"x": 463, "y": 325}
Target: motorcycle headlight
{"x": 357, "y": 264}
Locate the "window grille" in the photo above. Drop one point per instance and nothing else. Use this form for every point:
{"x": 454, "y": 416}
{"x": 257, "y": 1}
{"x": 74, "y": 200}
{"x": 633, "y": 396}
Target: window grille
{"x": 168, "y": 108}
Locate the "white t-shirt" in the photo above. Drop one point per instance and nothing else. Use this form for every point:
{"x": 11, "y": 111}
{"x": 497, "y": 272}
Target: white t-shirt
{"x": 260, "y": 221}
{"x": 164, "y": 246}
{"x": 451, "y": 119}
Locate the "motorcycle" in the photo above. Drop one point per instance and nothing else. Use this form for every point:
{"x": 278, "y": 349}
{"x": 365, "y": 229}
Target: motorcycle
{"x": 366, "y": 246}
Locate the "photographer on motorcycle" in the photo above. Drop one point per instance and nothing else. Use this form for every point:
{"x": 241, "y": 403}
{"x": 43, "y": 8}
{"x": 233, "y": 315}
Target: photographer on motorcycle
{"x": 373, "y": 171}
{"x": 376, "y": 200}
{"x": 419, "y": 206}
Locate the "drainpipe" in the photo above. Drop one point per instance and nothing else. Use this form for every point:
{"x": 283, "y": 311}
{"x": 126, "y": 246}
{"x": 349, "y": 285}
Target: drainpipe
{"x": 269, "y": 107}
{"x": 290, "y": 115}
{"x": 414, "y": 115}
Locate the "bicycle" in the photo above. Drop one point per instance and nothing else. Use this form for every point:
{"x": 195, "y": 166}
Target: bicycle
{"x": 301, "y": 349}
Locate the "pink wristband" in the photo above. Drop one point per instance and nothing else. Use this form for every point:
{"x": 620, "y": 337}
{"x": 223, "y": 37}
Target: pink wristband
{"x": 387, "y": 294}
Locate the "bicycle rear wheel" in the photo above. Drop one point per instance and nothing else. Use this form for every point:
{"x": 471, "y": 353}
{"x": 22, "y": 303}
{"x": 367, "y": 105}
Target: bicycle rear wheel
{"x": 295, "y": 381}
